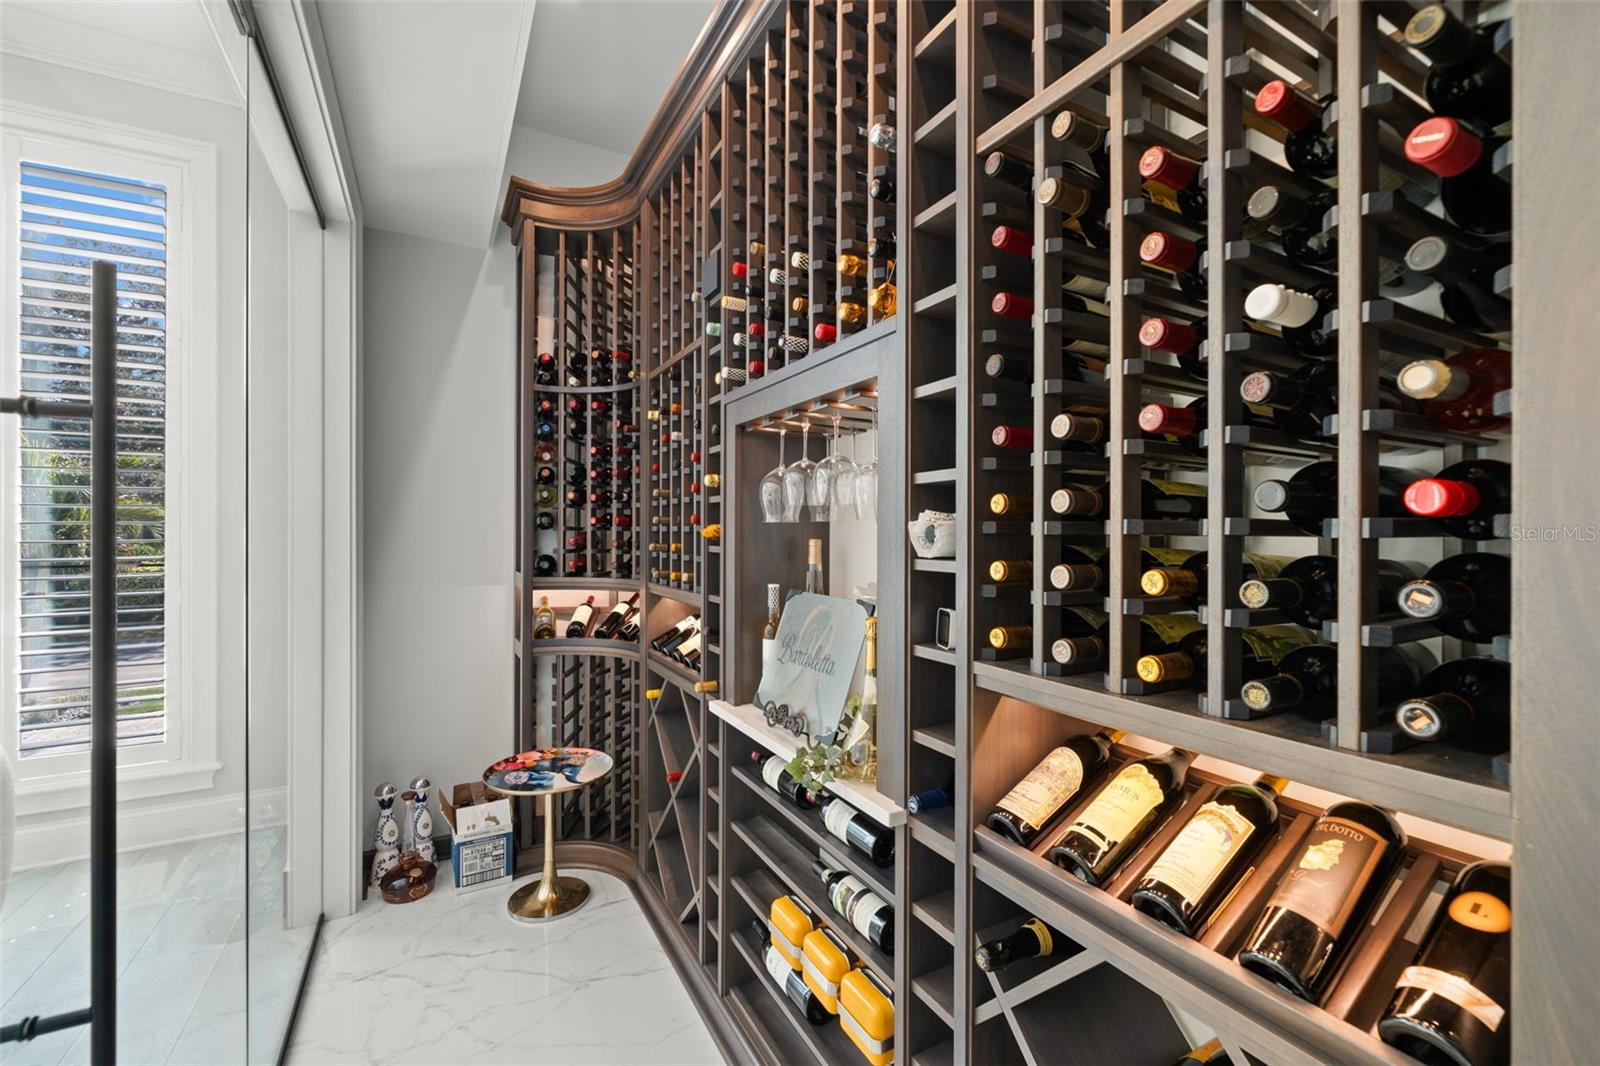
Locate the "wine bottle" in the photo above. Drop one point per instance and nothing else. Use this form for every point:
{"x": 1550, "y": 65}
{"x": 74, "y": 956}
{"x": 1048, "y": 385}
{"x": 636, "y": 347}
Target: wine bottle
{"x": 860, "y": 742}
{"x": 1081, "y": 567}
{"x": 613, "y": 620}
{"x": 1297, "y": 223}
{"x": 1467, "y": 596}
{"x": 1087, "y": 136}
{"x": 1180, "y": 339}
{"x": 1307, "y": 681}
{"x": 1474, "y": 196}
{"x": 1464, "y": 701}
{"x": 1307, "y": 148}
{"x": 1016, "y": 437}
{"x": 1298, "y": 401}
{"x": 1012, "y": 642}
{"x": 629, "y": 630}
{"x": 1307, "y": 589}
{"x": 861, "y": 833}
{"x": 581, "y": 616}
{"x": 1188, "y": 578}
{"x": 881, "y": 189}
{"x": 1008, "y": 503}
{"x": 1124, "y": 810}
{"x": 1030, "y": 940}
{"x": 1009, "y": 367}
{"x": 1084, "y": 636}
{"x": 1180, "y": 257}
{"x": 1178, "y": 175}
{"x": 1211, "y": 1053}
{"x": 1464, "y": 498}
{"x": 1311, "y": 494}
{"x": 769, "y": 628}
{"x": 1213, "y": 849}
{"x": 545, "y": 565}
{"x": 676, "y": 635}
{"x": 1458, "y": 392}
{"x": 1035, "y": 801}
{"x": 1180, "y": 425}
{"x": 1260, "y": 649}
{"x": 1080, "y": 430}
{"x": 1451, "y": 1004}
{"x": 931, "y": 799}
{"x": 775, "y": 772}
{"x": 858, "y": 904}
{"x": 1324, "y": 899}
{"x": 688, "y": 653}
{"x": 789, "y": 979}
{"x": 1466, "y": 280}
{"x": 1160, "y": 498}
{"x": 1012, "y": 171}
{"x": 814, "y": 582}
{"x": 882, "y": 135}
{"x": 544, "y": 620}
{"x": 1298, "y": 315}
{"x": 1466, "y": 79}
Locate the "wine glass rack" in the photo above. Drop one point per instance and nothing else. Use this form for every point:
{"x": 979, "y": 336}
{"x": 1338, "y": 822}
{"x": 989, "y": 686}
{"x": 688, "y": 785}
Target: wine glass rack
{"x": 715, "y": 256}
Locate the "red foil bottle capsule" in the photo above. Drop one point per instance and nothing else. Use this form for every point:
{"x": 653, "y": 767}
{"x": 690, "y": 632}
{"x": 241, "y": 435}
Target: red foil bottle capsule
{"x": 1283, "y": 104}
{"x": 1168, "y": 336}
{"x": 1012, "y": 437}
{"x": 1166, "y": 419}
{"x": 1168, "y": 168}
{"x": 1013, "y": 240}
{"x": 825, "y": 333}
{"x": 1012, "y": 305}
{"x": 1168, "y": 251}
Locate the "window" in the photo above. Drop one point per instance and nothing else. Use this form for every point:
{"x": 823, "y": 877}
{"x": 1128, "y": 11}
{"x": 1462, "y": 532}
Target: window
{"x": 75, "y": 192}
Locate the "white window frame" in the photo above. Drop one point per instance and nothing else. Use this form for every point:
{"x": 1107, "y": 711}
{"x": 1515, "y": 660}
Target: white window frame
{"x": 187, "y": 759}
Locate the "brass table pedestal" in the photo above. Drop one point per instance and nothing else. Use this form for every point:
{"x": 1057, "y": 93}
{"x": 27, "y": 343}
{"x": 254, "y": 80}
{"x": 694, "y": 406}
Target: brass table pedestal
{"x": 552, "y": 895}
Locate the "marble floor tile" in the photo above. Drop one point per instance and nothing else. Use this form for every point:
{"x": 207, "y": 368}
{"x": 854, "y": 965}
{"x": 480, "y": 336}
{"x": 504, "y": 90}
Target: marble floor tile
{"x": 454, "y": 979}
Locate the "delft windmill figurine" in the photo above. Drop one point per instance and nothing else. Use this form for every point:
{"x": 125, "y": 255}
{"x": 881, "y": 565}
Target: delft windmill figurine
{"x": 386, "y": 840}
{"x": 422, "y": 819}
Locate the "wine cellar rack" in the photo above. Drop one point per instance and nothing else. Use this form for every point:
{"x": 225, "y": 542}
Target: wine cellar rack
{"x": 719, "y": 248}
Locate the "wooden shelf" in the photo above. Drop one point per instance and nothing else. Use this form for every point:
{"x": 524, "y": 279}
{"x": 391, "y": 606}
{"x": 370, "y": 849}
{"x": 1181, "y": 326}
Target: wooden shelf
{"x": 808, "y": 824}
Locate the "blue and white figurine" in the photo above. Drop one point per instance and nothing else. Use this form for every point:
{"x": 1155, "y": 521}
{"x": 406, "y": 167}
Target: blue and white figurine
{"x": 422, "y": 820}
{"x": 386, "y": 839}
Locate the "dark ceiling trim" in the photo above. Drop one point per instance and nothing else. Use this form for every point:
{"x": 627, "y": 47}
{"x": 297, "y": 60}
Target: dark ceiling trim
{"x": 734, "y": 28}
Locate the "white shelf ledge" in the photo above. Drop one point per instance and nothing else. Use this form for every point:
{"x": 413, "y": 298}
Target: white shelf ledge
{"x": 748, "y": 720}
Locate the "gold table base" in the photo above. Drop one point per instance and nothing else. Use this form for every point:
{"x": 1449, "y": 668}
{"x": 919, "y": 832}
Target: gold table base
{"x": 552, "y": 895}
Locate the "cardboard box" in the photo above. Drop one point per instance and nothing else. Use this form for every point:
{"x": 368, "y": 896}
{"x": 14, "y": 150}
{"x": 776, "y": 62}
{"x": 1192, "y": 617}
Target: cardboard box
{"x": 483, "y": 847}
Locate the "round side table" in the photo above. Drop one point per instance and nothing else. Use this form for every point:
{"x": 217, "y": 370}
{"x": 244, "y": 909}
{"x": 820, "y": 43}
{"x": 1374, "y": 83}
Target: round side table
{"x": 545, "y": 772}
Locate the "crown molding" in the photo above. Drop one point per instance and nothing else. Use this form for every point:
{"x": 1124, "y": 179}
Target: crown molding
{"x": 733, "y": 29}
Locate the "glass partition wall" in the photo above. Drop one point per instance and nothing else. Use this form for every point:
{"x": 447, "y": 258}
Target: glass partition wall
{"x": 178, "y": 180}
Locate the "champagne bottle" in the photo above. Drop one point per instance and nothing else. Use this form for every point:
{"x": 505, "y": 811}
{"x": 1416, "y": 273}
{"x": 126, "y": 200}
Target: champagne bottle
{"x": 1324, "y": 899}
{"x": 1307, "y": 680}
{"x": 1464, "y": 498}
{"x": 1030, "y": 940}
{"x": 579, "y": 625}
{"x": 1188, "y": 578}
{"x": 861, "y": 833}
{"x": 1468, "y": 596}
{"x": 1035, "y": 801}
{"x": 1259, "y": 651}
{"x": 857, "y": 903}
{"x": 1464, "y": 701}
{"x": 1298, "y": 315}
{"x": 789, "y": 979}
{"x": 769, "y": 628}
{"x": 613, "y": 620}
{"x": 1458, "y": 392}
{"x": 1126, "y": 809}
{"x": 775, "y": 772}
{"x": 1451, "y": 1004}
{"x": 1214, "y": 848}
{"x": 1311, "y": 494}
{"x": 1474, "y": 196}
{"x": 1307, "y": 589}
{"x": 544, "y": 620}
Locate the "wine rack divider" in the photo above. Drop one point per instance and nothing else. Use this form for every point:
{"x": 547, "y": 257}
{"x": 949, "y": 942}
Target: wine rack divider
{"x": 1178, "y": 73}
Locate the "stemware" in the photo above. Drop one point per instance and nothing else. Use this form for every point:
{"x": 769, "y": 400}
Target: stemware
{"x": 797, "y": 478}
{"x": 866, "y": 481}
{"x": 832, "y": 489}
{"x": 772, "y": 506}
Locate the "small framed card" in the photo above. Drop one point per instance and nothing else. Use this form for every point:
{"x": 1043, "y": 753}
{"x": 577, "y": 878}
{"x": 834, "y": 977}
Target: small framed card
{"x": 806, "y": 681}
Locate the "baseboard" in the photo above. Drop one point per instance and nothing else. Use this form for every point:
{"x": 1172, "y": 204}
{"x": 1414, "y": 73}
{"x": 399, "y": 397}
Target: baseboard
{"x": 57, "y": 840}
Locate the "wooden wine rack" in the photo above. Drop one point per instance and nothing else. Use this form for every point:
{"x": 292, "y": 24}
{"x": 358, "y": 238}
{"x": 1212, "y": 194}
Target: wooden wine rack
{"x": 760, "y": 152}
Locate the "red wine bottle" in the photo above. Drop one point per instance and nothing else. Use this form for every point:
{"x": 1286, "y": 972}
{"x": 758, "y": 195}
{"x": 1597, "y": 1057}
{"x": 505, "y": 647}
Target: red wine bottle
{"x": 1466, "y": 281}
{"x": 1179, "y": 256}
{"x": 1035, "y": 801}
{"x": 1299, "y": 400}
{"x": 1474, "y": 196}
{"x": 1307, "y": 589}
{"x": 775, "y": 772}
{"x": 1308, "y": 148}
{"x": 1458, "y": 392}
{"x": 1466, "y": 79}
{"x": 1311, "y": 495}
{"x": 1307, "y": 681}
{"x": 1324, "y": 898}
{"x": 1297, "y": 222}
{"x": 788, "y": 979}
{"x": 1181, "y": 339}
{"x": 1125, "y": 810}
{"x": 1198, "y": 869}
{"x": 1160, "y": 498}
{"x": 861, "y": 833}
{"x": 1467, "y": 596}
{"x": 1165, "y": 167}
{"x": 1299, "y": 316}
{"x": 578, "y": 626}
{"x": 1451, "y": 1004}
{"x": 1464, "y": 498}
{"x": 1466, "y": 702}
{"x": 1260, "y": 650}
{"x": 1009, "y": 367}
{"x": 1188, "y": 578}
{"x": 1019, "y": 437}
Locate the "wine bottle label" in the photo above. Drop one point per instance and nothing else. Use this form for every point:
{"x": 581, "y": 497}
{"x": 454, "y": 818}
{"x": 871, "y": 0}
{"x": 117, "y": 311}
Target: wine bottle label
{"x": 863, "y": 910}
{"x": 1092, "y": 616}
{"x": 1036, "y": 798}
{"x": 837, "y": 819}
{"x": 844, "y": 891}
{"x": 1457, "y": 990}
{"x": 771, "y": 770}
{"x": 1080, "y": 285}
{"x": 1177, "y": 488}
{"x": 1481, "y": 912}
{"x": 1267, "y": 566}
{"x": 1325, "y": 885}
{"x": 1170, "y": 556}
{"x": 1172, "y": 627}
{"x": 1119, "y": 807}
{"x": 777, "y": 966}
{"x": 1271, "y": 643}
{"x": 1196, "y": 857}
{"x": 767, "y": 644}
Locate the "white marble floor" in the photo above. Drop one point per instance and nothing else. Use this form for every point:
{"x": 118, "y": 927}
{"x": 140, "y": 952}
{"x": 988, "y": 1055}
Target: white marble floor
{"x": 183, "y": 913}
{"x": 453, "y": 979}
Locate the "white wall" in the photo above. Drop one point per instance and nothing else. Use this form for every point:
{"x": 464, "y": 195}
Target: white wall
{"x": 221, "y": 808}
{"x": 439, "y": 487}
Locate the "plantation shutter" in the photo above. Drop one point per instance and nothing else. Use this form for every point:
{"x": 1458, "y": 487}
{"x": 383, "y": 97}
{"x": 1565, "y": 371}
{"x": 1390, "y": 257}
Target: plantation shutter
{"x": 69, "y": 218}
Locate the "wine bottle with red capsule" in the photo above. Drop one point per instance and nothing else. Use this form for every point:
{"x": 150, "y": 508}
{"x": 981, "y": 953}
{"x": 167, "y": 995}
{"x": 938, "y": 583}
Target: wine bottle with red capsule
{"x": 1012, "y": 305}
{"x": 1299, "y": 400}
{"x": 1013, "y": 239}
{"x": 1019, "y": 437}
{"x": 1467, "y": 596}
{"x": 1179, "y": 256}
{"x": 1458, "y": 392}
{"x": 1180, "y": 339}
{"x": 1466, "y": 280}
{"x": 1467, "y": 79}
{"x": 1474, "y": 196}
{"x": 1308, "y": 148}
{"x": 1298, "y": 315}
{"x": 1180, "y": 174}
{"x": 1463, "y": 498}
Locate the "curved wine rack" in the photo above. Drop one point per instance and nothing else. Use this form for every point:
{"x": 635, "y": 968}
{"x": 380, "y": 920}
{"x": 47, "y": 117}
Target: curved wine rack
{"x": 744, "y": 194}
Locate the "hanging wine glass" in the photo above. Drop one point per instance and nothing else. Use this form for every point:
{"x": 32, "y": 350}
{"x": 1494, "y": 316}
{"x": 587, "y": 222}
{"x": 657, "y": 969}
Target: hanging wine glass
{"x": 832, "y": 483}
{"x": 797, "y": 478}
{"x": 772, "y": 486}
{"x": 866, "y": 480}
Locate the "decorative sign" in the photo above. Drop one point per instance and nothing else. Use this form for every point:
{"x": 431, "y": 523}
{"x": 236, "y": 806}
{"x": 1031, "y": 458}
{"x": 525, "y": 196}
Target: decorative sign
{"x": 806, "y": 680}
